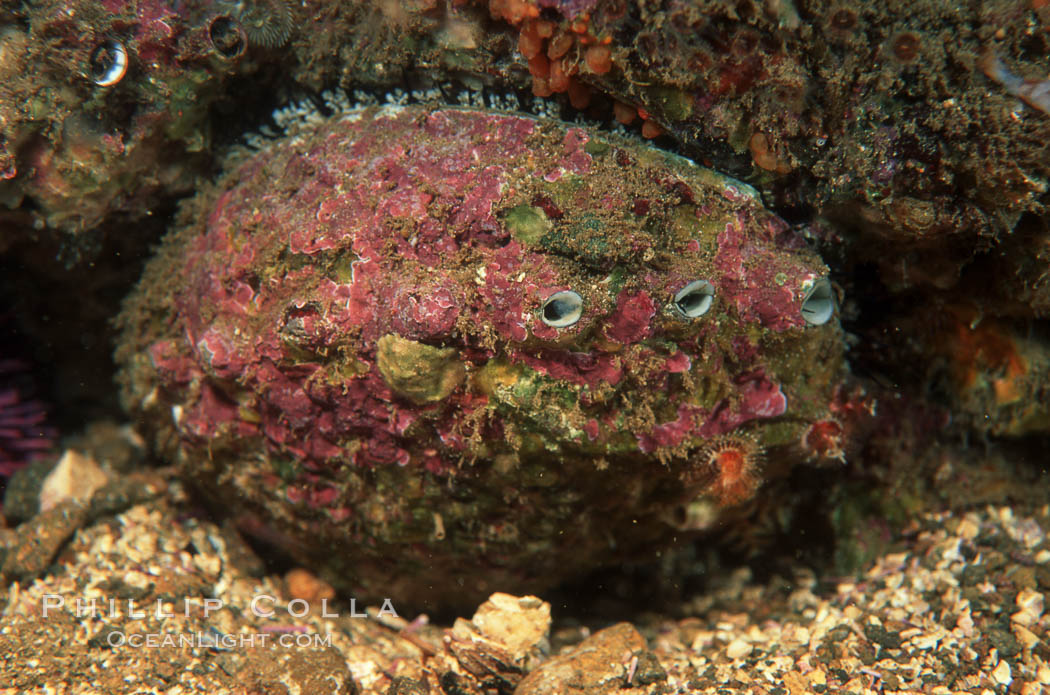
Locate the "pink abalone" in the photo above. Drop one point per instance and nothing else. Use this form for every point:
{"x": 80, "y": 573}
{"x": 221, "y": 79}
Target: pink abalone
{"x": 435, "y": 352}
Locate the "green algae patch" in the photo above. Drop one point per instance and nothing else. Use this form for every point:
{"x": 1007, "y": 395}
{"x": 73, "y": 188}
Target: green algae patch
{"x": 419, "y": 372}
{"x": 596, "y": 148}
{"x": 616, "y": 279}
{"x": 585, "y": 239}
{"x": 673, "y": 102}
{"x": 528, "y": 224}
{"x": 685, "y": 224}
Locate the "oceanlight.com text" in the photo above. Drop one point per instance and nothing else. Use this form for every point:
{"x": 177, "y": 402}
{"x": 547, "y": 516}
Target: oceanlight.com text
{"x": 218, "y": 641}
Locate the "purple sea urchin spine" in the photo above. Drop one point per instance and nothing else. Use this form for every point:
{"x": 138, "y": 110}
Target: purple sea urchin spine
{"x": 24, "y": 432}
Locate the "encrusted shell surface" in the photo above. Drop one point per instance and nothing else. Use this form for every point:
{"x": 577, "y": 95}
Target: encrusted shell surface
{"x": 350, "y": 332}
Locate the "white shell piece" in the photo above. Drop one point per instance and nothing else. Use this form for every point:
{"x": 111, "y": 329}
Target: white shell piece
{"x": 818, "y": 306}
{"x": 562, "y": 309}
{"x": 114, "y": 73}
{"x": 695, "y": 299}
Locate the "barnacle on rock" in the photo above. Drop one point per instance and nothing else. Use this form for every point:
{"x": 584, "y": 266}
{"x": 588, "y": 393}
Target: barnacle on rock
{"x": 842, "y": 20}
{"x": 226, "y": 36}
{"x": 906, "y": 46}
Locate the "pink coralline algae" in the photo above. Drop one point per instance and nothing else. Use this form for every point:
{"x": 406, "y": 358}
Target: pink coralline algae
{"x": 397, "y": 342}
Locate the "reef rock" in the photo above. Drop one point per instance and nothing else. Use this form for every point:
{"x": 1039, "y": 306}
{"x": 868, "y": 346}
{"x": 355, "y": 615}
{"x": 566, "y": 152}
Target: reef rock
{"x": 433, "y": 352}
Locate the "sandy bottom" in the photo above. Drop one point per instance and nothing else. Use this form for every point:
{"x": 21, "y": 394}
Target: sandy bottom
{"x": 958, "y": 606}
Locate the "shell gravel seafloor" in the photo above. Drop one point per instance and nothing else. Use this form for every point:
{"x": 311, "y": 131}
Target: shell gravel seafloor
{"x": 957, "y": 608}
{"x": 432, "y": 352}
